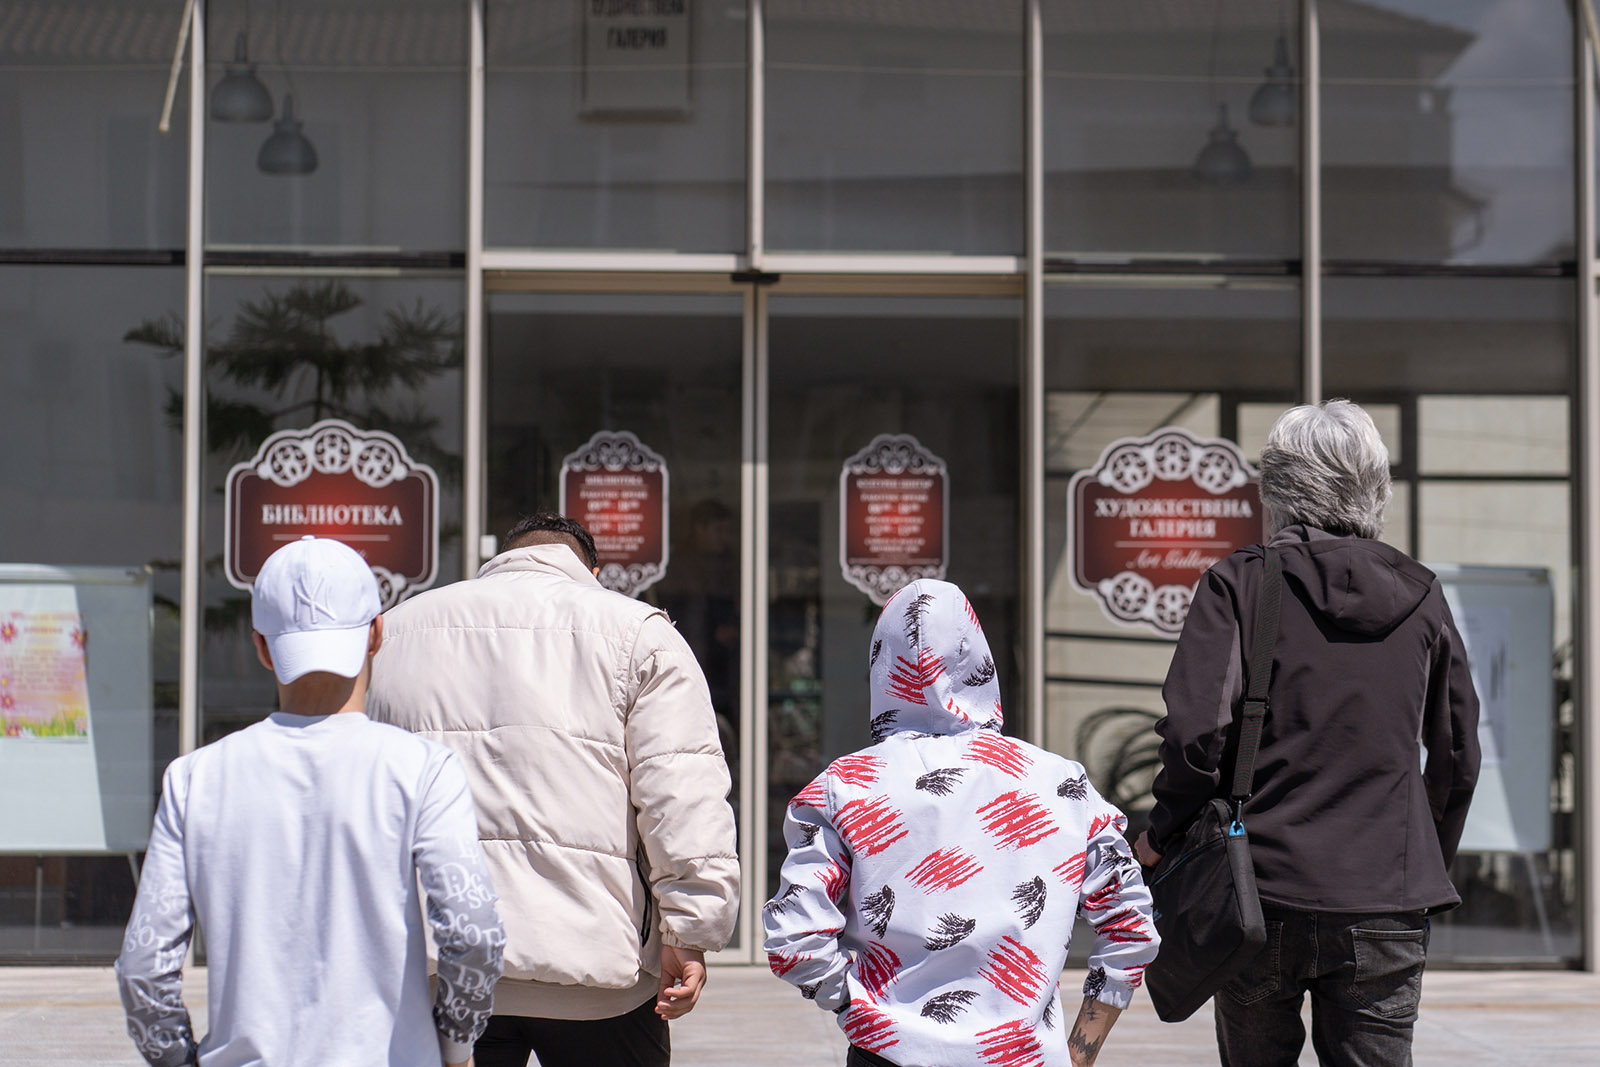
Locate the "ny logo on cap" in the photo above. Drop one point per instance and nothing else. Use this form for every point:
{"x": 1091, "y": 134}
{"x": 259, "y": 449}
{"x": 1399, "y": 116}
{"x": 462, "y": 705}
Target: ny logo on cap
{"x": 308, "y": 596}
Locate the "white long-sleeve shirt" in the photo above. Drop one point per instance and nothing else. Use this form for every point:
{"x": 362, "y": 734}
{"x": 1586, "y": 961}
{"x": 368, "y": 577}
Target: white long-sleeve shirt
{"x": 299, "y": 845}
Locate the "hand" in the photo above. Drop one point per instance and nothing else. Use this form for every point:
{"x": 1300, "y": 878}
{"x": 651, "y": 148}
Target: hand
{"x": 468, "y": 1062}
{"x": 683, "y": 975}
{"x": 1147, "y": 854}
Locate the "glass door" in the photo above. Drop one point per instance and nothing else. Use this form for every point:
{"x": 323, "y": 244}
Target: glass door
{"x": 572, "y": 374}
{"x": 867, "y": 384}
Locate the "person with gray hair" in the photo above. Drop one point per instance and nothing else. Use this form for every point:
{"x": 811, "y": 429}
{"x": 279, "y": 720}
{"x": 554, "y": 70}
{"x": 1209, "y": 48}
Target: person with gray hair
{"x": 1368, "y": 758}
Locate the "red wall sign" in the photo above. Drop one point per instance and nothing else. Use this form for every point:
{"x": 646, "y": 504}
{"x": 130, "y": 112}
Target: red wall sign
{"x": 894, "y": 516}
{"x": 1152, "y": 516}
{"x": 617, "y": 488}
{"x": 333, "y": 480}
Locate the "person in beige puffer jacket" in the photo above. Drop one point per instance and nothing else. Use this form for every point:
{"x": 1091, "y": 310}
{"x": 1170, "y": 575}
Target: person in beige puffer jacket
{"x": 589, "y": 739}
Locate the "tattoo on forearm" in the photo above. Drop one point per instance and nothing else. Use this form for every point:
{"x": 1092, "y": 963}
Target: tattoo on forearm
{"x": 1081, "y": 1046}
{"x": 1091, "y": 1012}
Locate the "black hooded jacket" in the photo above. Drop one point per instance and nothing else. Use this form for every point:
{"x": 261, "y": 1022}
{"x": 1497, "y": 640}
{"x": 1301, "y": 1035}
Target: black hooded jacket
{"x": 1369, "y": 753}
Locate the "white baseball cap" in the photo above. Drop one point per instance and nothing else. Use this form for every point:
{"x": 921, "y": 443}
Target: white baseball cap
{"x": 314, "y": 601}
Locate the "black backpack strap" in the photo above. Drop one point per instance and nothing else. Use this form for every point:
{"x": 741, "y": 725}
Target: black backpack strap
{"x": 1255, "y": 697}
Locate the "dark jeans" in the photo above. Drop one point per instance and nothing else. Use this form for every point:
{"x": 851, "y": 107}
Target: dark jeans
{"x": 1364, "y": 973}
{"x": 860, "y": 1057}
{"x": 637, "y": 1039}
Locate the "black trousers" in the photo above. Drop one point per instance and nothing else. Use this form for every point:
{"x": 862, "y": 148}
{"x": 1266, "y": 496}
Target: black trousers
{"x": 1364, "y": 974}
{"x": 860, "y": 1057}
{"x": 637, "y": 1039}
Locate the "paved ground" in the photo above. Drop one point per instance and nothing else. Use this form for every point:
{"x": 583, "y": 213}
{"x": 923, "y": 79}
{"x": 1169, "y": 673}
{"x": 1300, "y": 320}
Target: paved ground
{"x": 69, "y": 1016}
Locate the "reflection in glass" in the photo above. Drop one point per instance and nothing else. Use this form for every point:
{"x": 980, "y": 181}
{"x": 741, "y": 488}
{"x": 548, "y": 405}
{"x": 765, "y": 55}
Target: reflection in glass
{"x": 845, "y": 369}
{"x": 82, "y": 164}
{"x": 367, "y": 145}
{"x": 1479, "y": 373}
{"x": 1171, "y": 130}
{"x": 283, "y": 354}
{"x": 1124, "y": 363}
{"x": 94, "y": 477}
{"x": 668, "y": 369}
{"x": 614, "y": 131}
{"x": 895, "y": 127}
{"x": 1447, "y": 131}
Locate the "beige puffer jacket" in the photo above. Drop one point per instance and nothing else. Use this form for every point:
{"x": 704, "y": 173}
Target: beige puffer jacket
{"x": 587, "y": 732}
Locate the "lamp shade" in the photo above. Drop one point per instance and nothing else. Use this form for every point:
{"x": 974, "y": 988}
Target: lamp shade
{"x": 1223, "y": 161}
{"x": 1274, "y": 101}
{"x": 287, "y": 151}
{"x": 240, "y": 96}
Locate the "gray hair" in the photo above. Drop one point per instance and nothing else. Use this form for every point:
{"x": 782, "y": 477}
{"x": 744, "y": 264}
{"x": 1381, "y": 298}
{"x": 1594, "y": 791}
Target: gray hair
{"x": 1325, "y": 467}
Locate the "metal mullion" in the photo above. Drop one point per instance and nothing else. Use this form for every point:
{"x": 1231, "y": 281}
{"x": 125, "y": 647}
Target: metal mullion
{"x": 758, "y": 528}
{"x": 1586, "y": 711}
{"x": 191, "y": 607}
{"x": 528, "y": 259}
{"x": 1032, "y": 392}
{"x": 751, "y": 650}
{"x": 1310, "y": 203}
{"x": 755, "y": 134}
{"x": 472, "y": 388}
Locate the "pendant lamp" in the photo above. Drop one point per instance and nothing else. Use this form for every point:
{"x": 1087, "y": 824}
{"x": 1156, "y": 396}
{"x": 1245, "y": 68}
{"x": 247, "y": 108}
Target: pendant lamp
{"x": 287, "y": 150}
{"x": 240, "y": 96}
{"x": 1223, "y": 161}
{"x": 1274, "y": 101}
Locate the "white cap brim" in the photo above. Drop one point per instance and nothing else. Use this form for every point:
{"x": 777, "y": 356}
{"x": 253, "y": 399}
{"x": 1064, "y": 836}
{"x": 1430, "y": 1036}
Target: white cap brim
{"x": 341, "y": 652}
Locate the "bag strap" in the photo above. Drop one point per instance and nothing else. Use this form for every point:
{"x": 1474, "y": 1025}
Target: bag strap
{"x": 1255, "y": 697}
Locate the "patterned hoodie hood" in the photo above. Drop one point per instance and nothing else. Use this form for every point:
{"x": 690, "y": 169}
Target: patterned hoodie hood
{"x": 933, "y": 879}
{"x": 931, "y": 668}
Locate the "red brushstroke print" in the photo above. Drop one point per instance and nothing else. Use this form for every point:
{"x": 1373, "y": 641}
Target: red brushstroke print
{"x": 876, "y": 968}
{"x": 782, "y": 964}
{"x": 1126, "y": 928}
{"x": 999, "y": 752}
{"x": 1071, "y": 872}
{"x": 998, "y": 714}
{"x": 1100, "y": 822}
{"x": 1135, "y": 975}
{"x": 834, "y": 878}
{"x": 1016, "y": 971}
{"x": 973, "y": 615}
{"x": 1017, "y": 820}
{"x": 870, "y": 825}
{"x": 814, "y": 795}
{"x": 1104, "y": 897}
{"x": 944, "y": 869}
{"x": 955, "y": 709}
{"x": 1010, "y": 1044}
{"x": 869, "y": 1028}
{"x": 909, "y": 681}
{"x": 861, "y": 769}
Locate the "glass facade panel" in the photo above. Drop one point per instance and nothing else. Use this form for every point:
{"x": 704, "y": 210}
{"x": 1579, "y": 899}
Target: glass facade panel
{"x": 1481, "y": 372}
{"x": 284, "y": 353}
{"x": 667, "y": 368}
{"x": 1447, "y": 131}
{"x": 373, "y": 155}
{"x": 615, "y": 130}
{"x": 82, "y": 164}
{"x": 895, "y": 127}
{"x": 844, "y": 370}
{"x": 1171, "y": 130}
{"x": 89, "y": 423}
{"x": 1124, "y": 363}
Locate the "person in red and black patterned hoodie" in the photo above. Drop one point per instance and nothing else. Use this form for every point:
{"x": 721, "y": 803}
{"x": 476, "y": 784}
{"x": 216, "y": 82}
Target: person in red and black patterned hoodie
{"x": 933, "y": 879}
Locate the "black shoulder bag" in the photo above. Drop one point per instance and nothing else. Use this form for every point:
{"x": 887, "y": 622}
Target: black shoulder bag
{"x": 1206, "y": 908}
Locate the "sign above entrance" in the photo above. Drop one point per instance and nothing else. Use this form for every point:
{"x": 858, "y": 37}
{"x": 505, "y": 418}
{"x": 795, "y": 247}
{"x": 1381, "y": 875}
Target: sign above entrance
{"x": 1152, "y": 516}
{"x": 894, "y": 516}
{"x": 636, "y": 57}
{"x": 333, "y": 480}
{"x": 617, "y": 488}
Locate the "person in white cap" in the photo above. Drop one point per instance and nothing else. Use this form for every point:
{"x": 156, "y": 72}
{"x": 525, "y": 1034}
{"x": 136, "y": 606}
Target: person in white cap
{"x": 304, "y": 846}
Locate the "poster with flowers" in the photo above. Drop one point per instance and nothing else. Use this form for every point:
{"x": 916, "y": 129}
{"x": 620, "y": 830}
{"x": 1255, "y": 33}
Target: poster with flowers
{"x": 44, "y": 692}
